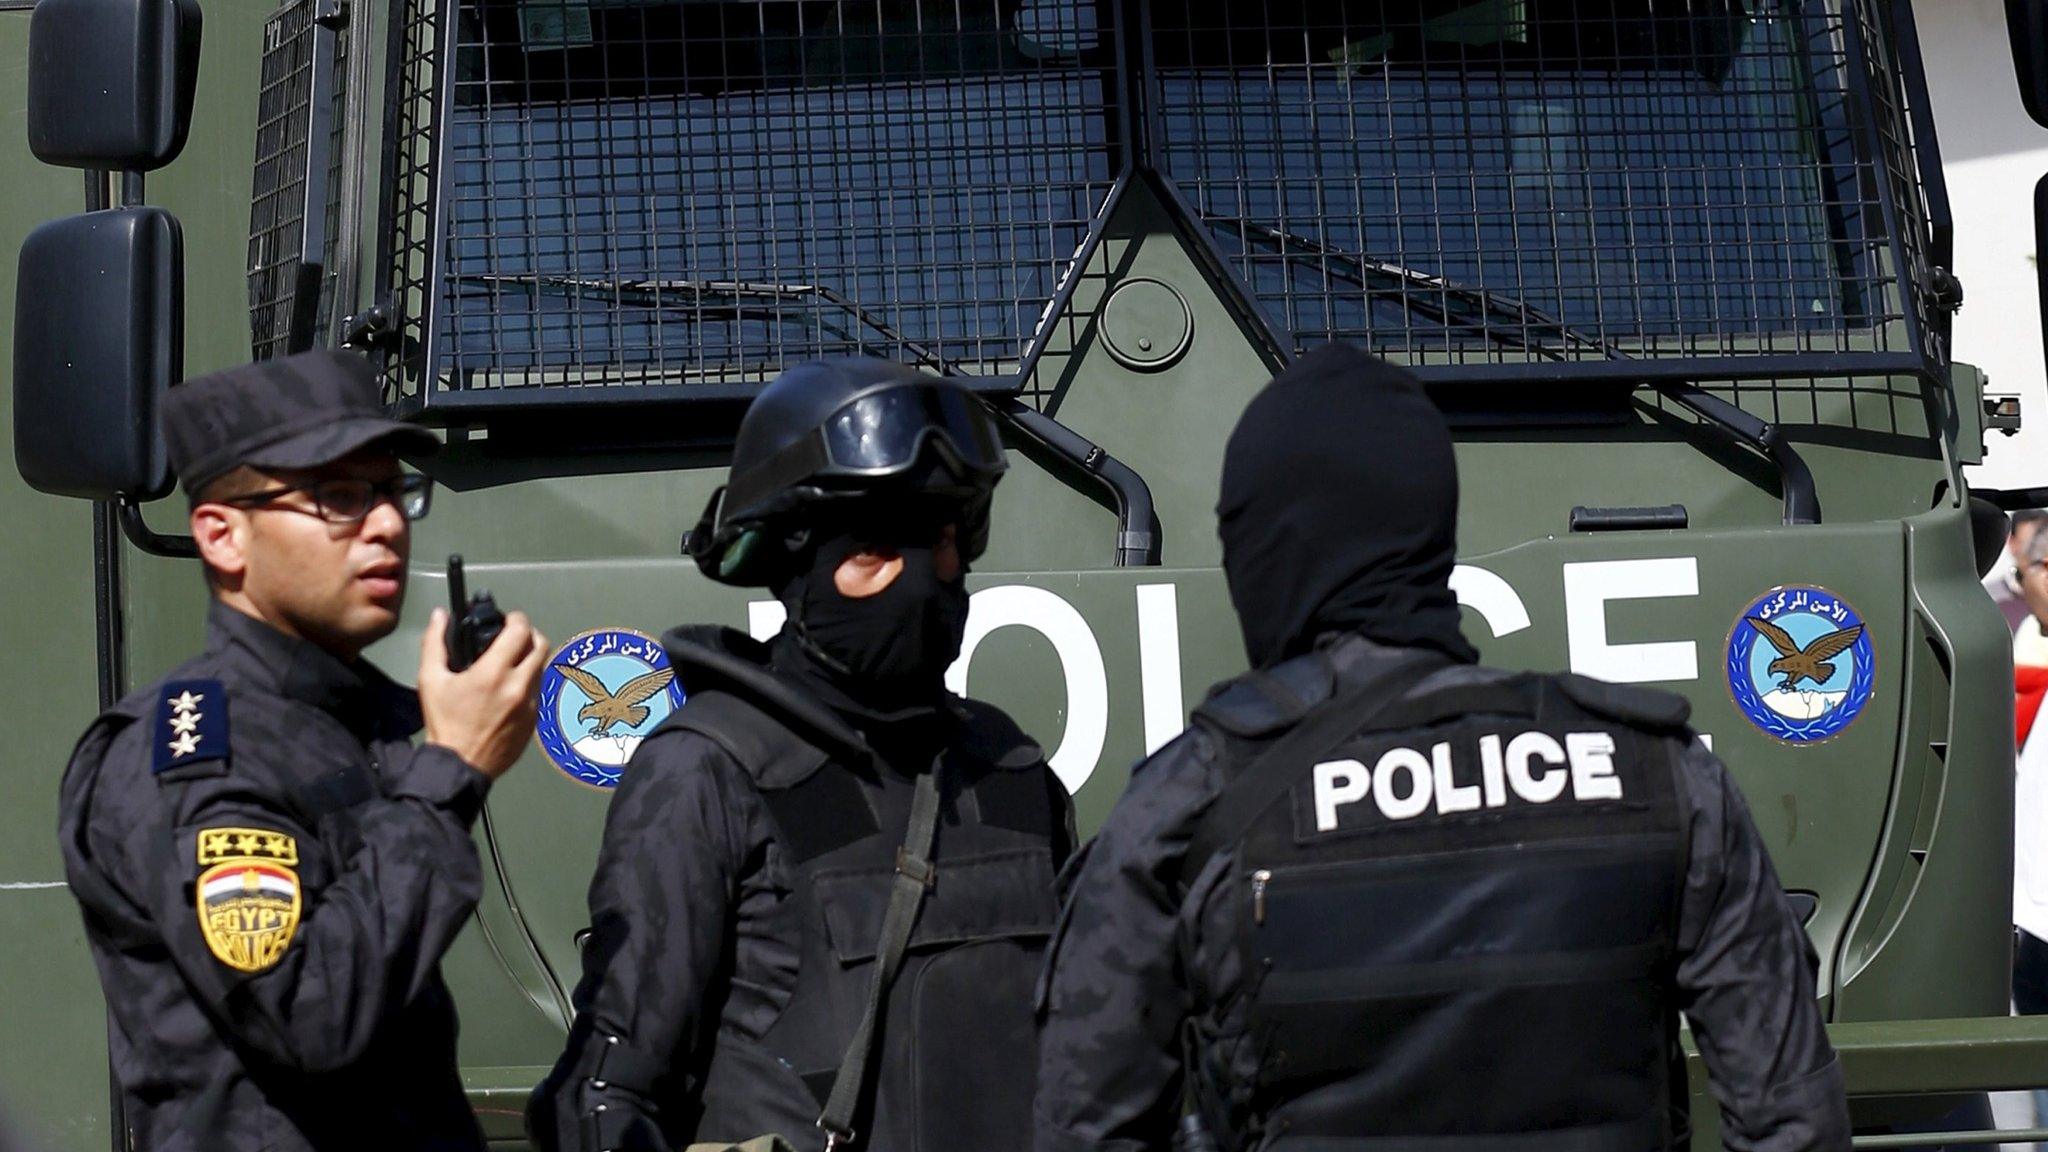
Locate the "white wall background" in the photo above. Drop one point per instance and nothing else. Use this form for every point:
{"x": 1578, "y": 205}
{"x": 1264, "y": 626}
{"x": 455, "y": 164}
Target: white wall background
{"x": 1992, "y": 154}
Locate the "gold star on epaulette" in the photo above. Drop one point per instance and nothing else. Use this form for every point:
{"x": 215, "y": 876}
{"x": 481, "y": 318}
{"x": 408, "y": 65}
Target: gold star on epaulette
{"x": 217, "y": 845}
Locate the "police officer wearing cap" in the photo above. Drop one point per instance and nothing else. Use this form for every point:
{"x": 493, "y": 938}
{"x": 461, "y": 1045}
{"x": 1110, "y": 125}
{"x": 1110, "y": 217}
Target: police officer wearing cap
{"x": 826, "y": 882}
{"x": 1380, "y": 896}
{"x": 269, "y": 867}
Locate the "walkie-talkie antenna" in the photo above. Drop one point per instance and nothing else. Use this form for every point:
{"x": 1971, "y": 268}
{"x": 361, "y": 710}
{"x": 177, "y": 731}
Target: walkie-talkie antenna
{"x": 458, "y": 585}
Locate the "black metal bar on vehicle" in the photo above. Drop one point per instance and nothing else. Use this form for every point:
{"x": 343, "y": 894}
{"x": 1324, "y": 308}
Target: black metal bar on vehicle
{"x": 312, "y": 253}
{"x": 1802, "y": 505}
{"x": 1789, "y": 366}
{"x": 435, "y": 255}
{"x": 1939, "y": 1139}
{"x": 357, "y": 33}
{"x": 1083, "y": 256}
{"x": 106, "y": 557}
{"x": 1926, "y": 146}
{"x": 1060, "y": 449}
{"x": 155, "y": 543}
{"x": 1864, "y": 70}
{"x": 1664, "y": 516}
{"x": 112, "y": 657}
{"x": 384, "y": 268}
{"x": 106, "y": 583}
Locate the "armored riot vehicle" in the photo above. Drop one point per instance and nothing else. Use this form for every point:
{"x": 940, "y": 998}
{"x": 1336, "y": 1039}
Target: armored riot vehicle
{"x": 1675, "y": 268}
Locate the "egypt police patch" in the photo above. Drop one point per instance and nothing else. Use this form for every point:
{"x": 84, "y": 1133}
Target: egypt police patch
{"x": 191, "y": 725}
{"x": 1801, "y": 664}
{"x": 600, "y": 695}
{"x": 247, "y": 895}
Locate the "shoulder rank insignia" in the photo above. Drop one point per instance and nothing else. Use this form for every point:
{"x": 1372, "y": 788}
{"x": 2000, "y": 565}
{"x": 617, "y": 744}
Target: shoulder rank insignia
{"x": 248, "y": 895}
{"x": 191, "y": 724}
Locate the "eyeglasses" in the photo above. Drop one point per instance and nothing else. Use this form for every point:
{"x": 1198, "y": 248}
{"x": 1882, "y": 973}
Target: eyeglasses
{"x": 345, "y": 501}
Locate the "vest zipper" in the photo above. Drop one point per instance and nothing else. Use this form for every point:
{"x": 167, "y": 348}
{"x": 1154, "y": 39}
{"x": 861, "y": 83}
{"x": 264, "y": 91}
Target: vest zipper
{"x": 1260, "y": 879}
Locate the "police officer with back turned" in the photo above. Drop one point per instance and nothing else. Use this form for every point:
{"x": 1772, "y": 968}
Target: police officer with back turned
{"x": 1379, "y": 896}
{"x": 270, "y": 869}
{"x": 826, "y": 882}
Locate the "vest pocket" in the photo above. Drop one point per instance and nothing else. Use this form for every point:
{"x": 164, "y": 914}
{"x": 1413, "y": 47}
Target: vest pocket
{"x": 997, "y": 895}
{"x": 976, "y": 1048}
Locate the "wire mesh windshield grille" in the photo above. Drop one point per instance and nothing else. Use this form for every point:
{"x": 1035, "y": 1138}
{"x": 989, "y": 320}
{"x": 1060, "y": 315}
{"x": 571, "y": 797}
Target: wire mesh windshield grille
{"x": 1515, "y": 181}
{"x": 291, "y": 218}
{"x": 409, "y": 252}
{"x": 694, "y": 193}
{"x": 1894, "y": 150}
{"x": 700, "y": 192}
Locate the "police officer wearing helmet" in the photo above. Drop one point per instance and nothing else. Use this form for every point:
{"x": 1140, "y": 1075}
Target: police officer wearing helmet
{"x": 1380, "y": 895}
{"x": 821, "y": 809}
{"x": 269, "y": 868}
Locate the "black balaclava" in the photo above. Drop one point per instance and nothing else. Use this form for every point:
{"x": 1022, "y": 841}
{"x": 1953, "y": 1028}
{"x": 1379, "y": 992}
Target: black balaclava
{"x": 884, "y": 653}
{"x": 1339, "y": 511}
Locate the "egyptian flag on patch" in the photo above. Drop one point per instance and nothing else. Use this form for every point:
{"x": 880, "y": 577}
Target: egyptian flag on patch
{"x": 248, "y": 911}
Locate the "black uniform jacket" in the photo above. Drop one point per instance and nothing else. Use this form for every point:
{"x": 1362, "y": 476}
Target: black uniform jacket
{"x": 270, "y": 872}
{"x": 698, "y": 930}
{"x": 1133, "y": 958}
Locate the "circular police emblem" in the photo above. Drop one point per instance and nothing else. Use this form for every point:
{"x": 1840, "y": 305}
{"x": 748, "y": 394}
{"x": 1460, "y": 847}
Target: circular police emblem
{"x": 600, "y": 695}
{"x": 1801, "y": 664}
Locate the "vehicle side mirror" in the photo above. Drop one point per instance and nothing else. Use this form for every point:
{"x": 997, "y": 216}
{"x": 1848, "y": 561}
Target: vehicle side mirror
{"x": 110, "y": 82}
{"x": 2026, "y": 25}
{"x": 2041, "y": 238}
{"x": 98, "y": 337}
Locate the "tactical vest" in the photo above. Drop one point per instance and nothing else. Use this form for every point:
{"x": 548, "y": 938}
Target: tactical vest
{"x": 1457, "y": 924}
{"x": 957, "y": 1054}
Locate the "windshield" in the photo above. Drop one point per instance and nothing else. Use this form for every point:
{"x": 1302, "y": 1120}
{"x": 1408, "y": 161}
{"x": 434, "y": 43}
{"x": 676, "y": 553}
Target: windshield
{"x": 707, "y": 189}
{"x": 646, "y": 190}
{"x": 1658, "y": 177}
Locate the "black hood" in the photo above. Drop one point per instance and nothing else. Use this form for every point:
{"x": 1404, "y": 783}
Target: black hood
{"x": 1339, "y": 511}
{"x": 710, "y": 658}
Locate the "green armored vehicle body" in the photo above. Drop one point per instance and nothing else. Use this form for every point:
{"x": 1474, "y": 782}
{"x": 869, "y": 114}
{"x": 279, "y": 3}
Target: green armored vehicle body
{"x": 1676, "y": 272}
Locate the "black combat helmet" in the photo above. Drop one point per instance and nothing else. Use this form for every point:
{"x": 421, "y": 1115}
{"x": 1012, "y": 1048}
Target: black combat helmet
{"x": 839, "y": 429}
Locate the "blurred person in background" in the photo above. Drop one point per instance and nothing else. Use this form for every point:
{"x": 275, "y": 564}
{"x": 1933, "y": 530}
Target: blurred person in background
{"x": 2003, "y": 581}
{"x": 2030, "y": 809}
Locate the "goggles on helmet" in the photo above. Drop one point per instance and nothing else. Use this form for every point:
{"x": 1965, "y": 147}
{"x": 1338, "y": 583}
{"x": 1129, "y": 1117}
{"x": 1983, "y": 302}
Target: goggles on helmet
{"x": 874, "y": 436}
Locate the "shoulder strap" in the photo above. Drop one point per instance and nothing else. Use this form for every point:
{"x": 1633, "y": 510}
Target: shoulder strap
{"x": 914, "y": 874}
{"x": 1245, "y": 798}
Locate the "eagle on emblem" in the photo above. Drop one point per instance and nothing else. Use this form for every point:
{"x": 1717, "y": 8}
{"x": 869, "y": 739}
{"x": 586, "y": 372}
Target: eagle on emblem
{"x": 1808, "y": 663}
{"x": 622, "y": 707}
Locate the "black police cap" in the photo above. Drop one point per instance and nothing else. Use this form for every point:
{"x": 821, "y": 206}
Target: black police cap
{"x": 293, "y": 412}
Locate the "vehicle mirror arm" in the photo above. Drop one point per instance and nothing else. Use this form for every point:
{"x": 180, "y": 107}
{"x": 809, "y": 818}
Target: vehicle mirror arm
{"x": 148, "y": 539}
{"x": 1802, "y": 503}
{"x": 1109, "y": 481}
{"x": 2013, "y": 499}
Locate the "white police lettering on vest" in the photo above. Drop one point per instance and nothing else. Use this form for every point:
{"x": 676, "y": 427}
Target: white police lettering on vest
{"x": 1529, "y": 766}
